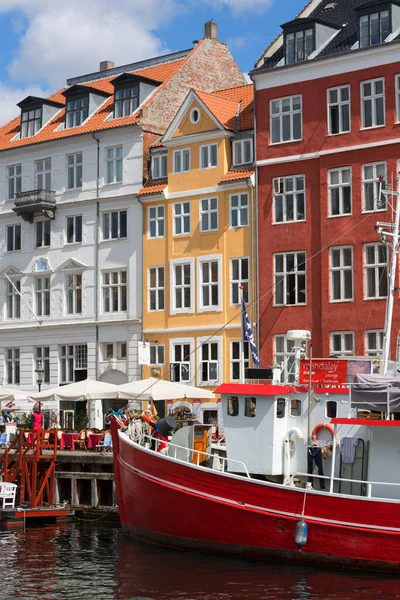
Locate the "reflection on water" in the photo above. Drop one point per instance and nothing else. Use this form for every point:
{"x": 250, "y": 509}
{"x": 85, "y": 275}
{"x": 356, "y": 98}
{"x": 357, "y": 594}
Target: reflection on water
{"x": 95, "y": 562}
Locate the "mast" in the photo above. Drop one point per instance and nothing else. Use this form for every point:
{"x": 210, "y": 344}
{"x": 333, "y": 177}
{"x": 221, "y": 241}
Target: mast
{"x": 393, "y": 232}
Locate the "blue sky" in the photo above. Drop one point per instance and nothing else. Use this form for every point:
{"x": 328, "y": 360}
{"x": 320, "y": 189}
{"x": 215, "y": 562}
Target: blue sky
{"x": 42, "y": 42}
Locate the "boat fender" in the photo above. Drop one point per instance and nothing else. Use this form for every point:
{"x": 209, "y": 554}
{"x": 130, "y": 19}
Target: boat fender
{"x": 318, "y": 428}
{"x": 300, "y": 536}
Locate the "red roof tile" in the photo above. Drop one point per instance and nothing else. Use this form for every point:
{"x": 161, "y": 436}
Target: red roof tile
{"x": 245, "y": 95}
{"x": 153, "y": 188}
{"x": 224, "y": 110}
{"x": 238, "y": 174}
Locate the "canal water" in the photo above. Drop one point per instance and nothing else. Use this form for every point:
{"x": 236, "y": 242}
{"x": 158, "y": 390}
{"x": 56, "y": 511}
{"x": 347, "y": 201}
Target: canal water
{"x": 97, "y": 562}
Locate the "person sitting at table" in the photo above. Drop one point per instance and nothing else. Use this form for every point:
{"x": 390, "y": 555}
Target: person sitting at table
{"x": 37, "y": 420}
{"x": 5, "y": 417}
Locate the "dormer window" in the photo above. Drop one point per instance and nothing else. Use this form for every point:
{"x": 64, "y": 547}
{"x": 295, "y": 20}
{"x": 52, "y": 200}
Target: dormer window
{"x": 304, "y": 36}
{"x": 130, "y": 90}
{"x": 159, "y": 166}
{"x": 31, "y": 122}
{"x": 36, "y": 113}
{"x": 374, "y": 28}
{"x": 299, "y": 45}
{"x": 82, "y": 102}
{"x": 77, "y": 111}
{"x": 126, "y": 101}
{"x": 242, "y": 152}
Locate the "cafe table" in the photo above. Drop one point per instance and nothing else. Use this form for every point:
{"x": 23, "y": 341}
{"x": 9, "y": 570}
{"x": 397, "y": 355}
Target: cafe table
{"x": 67, "y": 440}
{"x": 94, "y": 440}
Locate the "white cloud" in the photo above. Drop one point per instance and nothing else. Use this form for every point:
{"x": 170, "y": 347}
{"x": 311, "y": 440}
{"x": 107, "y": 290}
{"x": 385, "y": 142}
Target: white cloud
{"x": 9, "y": 98}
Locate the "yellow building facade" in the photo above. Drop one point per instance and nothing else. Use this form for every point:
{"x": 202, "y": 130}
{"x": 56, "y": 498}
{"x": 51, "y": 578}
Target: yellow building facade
{"x": 200, "y": 243}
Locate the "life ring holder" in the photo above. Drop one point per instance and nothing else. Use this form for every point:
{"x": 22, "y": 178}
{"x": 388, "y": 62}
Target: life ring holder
{"x": 318, "y": 428}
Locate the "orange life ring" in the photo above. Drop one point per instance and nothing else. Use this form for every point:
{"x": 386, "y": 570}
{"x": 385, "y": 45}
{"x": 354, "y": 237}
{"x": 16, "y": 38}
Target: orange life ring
{"x": 318, "y": 428}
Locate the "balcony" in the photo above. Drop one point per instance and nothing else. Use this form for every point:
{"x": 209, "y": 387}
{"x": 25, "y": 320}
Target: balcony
{"x": 35, "y": 203}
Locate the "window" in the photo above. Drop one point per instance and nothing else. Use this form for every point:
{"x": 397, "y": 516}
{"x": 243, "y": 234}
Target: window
{"x": 115, "y": 225}
{"x": 374, "y": 176}
{"x": 374, "y": 28}
{"x": 73, "y": 363}
{"x": 374, "y": 342}
{"x": 43, "y": 174}
{"x": 114, "y": 291}
{"x": 74, "y": 171}
{"x": 114, "y": 164}
{"x": 331, "y": 409}
{"x": 286, "y": 119}
{"x": 13, "y": 238}
{"x": 14, "y": 299}
{"x": 42, "y": 355}
{"x": 14, "y": 181}
{"x": 239, "y": 279}
{"x": 182, "y": 286}
{"x": 341, "y": 267}
{"x": 280, "y": 408}
{"x": 114, "y": 350}
{"x": 290, "y": 278}
{"x": 232, "y": 406}
{"x": 250, "y": 405}
{"x": 284, "y": 358}
{"x": 77, "y": 112}
{"x": 208, "y": 214}
{"x": 209, "y": 362}
{"x": 42, "y": 234}
{"x": 181, "y": 218}
{"x": 159, "y": 166}
{"x": 240, "y": 360}
{"x": 157, "y": 354}
{"x": 242, "y": 152}
{"x": 31, "y": 122}
{"x": 398, "y": 98}
{"x": 342, "y": 343}
{"x": 299, "y": 45}
{"x": 339, "y": 110}
{"x": 376, "y": 271}
{"x": 126, "y": 101}
{"x": 372, "y": 103}
{"x": 289, "y": 199}
{"x": 295, "y": 408}
{"x": 156, "y": 288}
{"x": 156, "y": 221}
{"x": 209, "y": 283}
{"x": 181, "y": 161}
{"x": 339, "y": 188}
{"x": 181, "y": 367}
{"x": 42, "y": 296}
{"x": 12, "y": 356}
{"x": 194, "y": 116}
{"x": 239, "y": 210}
{"x": 74, "y": 293}
{"x": 74, "y": 229}
{"x": 209, "y": 156}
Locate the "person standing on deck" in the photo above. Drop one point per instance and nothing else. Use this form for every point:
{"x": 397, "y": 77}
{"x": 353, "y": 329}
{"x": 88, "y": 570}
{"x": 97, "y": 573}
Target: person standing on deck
{"x": 36, "y": 418}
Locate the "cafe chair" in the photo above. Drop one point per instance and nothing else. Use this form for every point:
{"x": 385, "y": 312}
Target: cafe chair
{"x": 80, "y": 442}
{"x": 106, "y": 445}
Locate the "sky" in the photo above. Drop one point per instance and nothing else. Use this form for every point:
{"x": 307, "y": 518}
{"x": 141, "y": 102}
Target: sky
{"x": 43, "y": 42}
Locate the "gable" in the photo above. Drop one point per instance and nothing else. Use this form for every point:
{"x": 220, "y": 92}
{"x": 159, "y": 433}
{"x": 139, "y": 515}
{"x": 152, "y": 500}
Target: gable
{"x": 71, "y": 265}
{"x": 187, "y": 127}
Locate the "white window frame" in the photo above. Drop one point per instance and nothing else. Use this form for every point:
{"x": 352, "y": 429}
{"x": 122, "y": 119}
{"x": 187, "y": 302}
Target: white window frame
{"x": 239, "y": 282}
{"x": 12, "y": 356}
{"x": 376, "y": 266}
{"x": 181, "y": 341}
{"x": 13, "y": 226}
{"x": 73, "y": 219}
{"x": 200, "y": 342}
{"x": 377, "y": 351}
{"x": 42, "y": 354}
{"x": 343, "y": 336}
{"x": 42, "y": 295}
{"x": 243, "y": 361}
{"x": 340, "y": 186}
{"x": 239, "y": 147}
{"x": 282, "y": 114}
{"x": 120, "y": 285}
{"x": 116, "y": 353}
{"x": 43, "y": 175}
{"x": 13, "y": 180}
{"x": 340, "y": 104}
{"x": 373, "y": 98}
{"x": 109, "y": 214}
{"x": 155, "y": 349}
{"x": 208, "y": 165}
{"x": 172, "y": 264}
{"x": 114, "y": 156}
{"x": 284, "y": 359}
{"x": 376, "y": 184}
{"x": 157, "y": 220}
{"x": 241, "y": 209}
{"x": 75, "y": 166}
{"x": 76, "y": 359}
{"x": 159, "y": 166}
{"x": 342, "y": 269}
{"x": 181, "y": 217}
{"x": 200, "y": 261}
{"x": 72, "y": 290}
{"x": 13, "y": 298}
{"x": 40, "y": 233}
{"x": 208, "y": 212}
{"x": 284, "y": 182}
{"x": 285, "y": 273}
{"x": 157, "y": 289}
{"x": 182, "y": 153}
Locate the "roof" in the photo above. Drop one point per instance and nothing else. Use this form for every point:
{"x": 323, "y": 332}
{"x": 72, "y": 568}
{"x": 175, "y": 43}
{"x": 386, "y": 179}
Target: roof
{"x": 238, "y": 174}
{"x": 343, "y": 15}
{"x": 152, "y": 187}
{"x": 233, "y": 108}
{"x": 99, "y": 121}
{"x": 365, "y": 422}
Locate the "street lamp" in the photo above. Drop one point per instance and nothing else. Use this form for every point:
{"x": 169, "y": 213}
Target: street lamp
{"x": 39, "y": 374}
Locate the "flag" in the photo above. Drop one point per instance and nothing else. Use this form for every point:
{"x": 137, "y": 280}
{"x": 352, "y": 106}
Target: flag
{"x": 248, "y": 334}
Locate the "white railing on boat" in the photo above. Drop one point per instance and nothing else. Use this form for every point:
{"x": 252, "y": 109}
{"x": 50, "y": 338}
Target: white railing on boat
{"x": 332, "y": 480}
{"x": 195, "y": 454}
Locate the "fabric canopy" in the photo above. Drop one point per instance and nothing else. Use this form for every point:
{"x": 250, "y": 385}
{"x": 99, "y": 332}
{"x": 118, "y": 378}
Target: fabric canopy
{"x": 10, "y": 394}
{"x": 83, "y": 390}
{"x": 370, "y": 392}
{"x": 158, "y": 389}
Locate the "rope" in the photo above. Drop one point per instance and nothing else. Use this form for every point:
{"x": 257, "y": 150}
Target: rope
{"x": 97, "y": 518}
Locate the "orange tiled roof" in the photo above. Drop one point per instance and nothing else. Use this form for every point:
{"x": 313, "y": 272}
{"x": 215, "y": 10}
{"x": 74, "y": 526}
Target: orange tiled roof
{"x": 226, "y": 105}
{"x": 160, "y": 72}
{"x": 238, "y": 174}
{"x": 245, "y": 95}
{"x": 150, "y": 187}
{"x": 157, "y": 143}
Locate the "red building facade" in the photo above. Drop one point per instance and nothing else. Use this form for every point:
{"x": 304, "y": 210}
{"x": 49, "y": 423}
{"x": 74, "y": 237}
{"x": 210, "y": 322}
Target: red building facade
{"x": 328, "y": 127}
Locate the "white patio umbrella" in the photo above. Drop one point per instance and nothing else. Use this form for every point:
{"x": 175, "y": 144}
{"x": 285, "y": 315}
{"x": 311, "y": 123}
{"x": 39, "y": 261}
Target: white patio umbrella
{"x": 88, "y": 389}
{"x": 11, "y": 396}
{"x": 158, "y": 389}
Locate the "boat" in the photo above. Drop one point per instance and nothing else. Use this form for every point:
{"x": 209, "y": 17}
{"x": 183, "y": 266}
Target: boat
{"x": 261, "y": 497}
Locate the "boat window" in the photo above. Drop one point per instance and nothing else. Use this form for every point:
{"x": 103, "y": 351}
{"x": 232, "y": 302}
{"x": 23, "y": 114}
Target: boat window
{"x": 295, "y": 408}
{"x": 233, "y": 406}
{"x": 331, "y": 409}
{"x": 250, "y": 407}
{"x": 280, "y": 408}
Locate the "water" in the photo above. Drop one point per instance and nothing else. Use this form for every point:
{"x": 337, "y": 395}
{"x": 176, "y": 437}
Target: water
{"x": 97, "y": 562}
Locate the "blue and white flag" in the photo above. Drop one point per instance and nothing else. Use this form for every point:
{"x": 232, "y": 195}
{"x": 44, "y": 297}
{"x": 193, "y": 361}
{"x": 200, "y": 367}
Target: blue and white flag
{"x": 248, "y": 334}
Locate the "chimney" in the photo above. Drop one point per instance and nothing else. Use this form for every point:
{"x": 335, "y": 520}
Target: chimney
{"x": 106, "y": 64}
{"x": 211, "y": 30}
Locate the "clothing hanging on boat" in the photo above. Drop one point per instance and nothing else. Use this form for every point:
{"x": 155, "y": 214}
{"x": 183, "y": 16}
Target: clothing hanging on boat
{"x": 348, "y": 449}
{"x": 314, "y": 457}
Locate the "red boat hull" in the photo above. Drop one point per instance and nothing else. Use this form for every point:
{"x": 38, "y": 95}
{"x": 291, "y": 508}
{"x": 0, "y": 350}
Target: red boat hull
{"x": 179, "y": 504}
